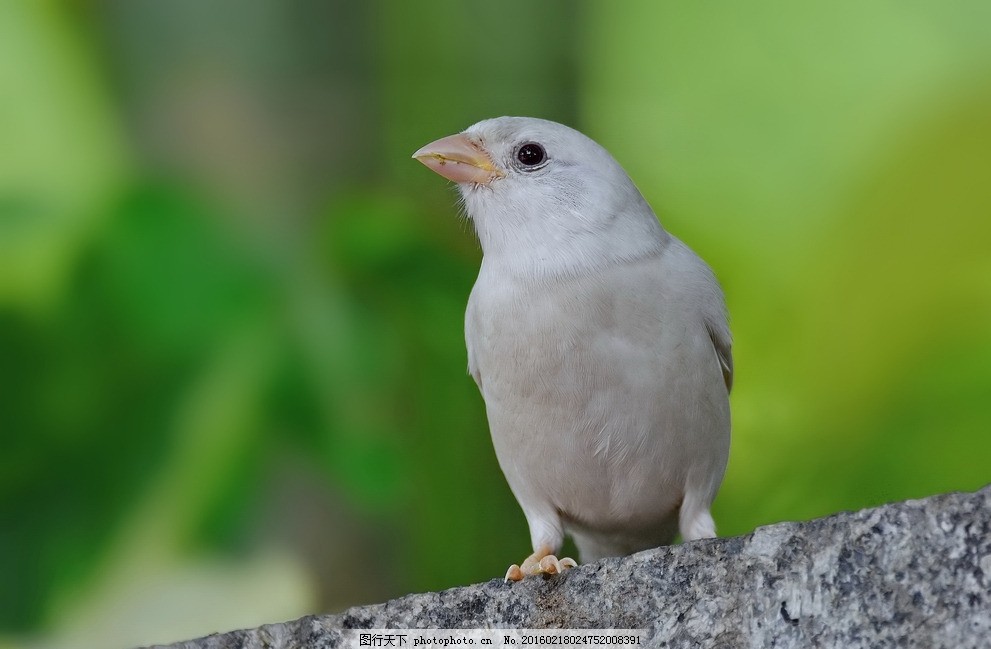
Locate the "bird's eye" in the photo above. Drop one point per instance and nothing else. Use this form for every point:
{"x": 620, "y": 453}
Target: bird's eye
{"x": 531, "y": 155}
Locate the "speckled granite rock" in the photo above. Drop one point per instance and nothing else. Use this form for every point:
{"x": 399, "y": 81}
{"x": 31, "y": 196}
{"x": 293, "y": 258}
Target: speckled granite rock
{"x": 910, "y": 574}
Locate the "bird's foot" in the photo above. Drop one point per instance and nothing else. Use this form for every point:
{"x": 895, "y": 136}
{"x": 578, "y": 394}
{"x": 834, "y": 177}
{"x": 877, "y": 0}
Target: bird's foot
{"x": 539, "y": 563}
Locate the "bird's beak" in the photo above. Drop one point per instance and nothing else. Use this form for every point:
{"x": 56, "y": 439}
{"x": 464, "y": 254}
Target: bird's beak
{"x": 459, "y": 159}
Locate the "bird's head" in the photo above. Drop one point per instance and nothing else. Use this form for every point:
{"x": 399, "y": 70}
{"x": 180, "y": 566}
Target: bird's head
{"x": 544, "y": 194}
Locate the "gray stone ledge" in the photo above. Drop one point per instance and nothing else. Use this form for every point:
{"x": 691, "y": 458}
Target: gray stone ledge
{"x": 908, "y": 574}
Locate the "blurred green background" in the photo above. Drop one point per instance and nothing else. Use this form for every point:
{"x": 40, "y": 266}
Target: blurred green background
{"x": 232, "y": 373}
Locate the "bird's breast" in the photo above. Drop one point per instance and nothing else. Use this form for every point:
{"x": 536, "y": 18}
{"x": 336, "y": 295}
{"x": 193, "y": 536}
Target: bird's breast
{"x": 599, "y": 391}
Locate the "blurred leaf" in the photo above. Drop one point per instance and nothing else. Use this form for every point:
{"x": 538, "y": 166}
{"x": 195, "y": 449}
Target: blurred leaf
{"x": 86, "y": 400}
{"x": 177, "y": 276}
{"x": 61, "y": 155}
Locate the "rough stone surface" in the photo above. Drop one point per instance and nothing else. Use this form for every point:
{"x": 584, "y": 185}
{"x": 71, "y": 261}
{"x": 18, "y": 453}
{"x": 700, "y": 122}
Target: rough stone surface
{"x": 910, "y": 574}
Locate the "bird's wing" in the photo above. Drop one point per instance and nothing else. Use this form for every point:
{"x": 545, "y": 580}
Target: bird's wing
{"x": 475, "y": 374}
{"x": 470, "y": 338}
{"x": 723, "y": 346}
{"x": 707, "y": 294}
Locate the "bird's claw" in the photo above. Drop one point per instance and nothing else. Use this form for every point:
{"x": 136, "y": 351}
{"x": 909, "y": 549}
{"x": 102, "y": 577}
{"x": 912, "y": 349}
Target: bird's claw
{"x": 513, "y": 574}
{"x": 547, "y": 565}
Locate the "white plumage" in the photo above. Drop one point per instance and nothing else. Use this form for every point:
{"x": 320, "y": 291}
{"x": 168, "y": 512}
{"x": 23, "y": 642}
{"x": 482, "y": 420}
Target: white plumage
{"x": 598, "y": 340}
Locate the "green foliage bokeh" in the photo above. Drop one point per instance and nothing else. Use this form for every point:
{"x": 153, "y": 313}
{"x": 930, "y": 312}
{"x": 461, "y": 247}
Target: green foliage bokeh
{"x": 231, "y": 356}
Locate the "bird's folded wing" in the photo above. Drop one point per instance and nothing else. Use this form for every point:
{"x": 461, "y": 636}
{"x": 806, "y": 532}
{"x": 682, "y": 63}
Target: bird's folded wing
{"x": 723, "y": 346}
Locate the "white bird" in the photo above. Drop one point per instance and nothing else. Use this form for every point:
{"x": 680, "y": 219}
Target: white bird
{"x": 599, "y": 343}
